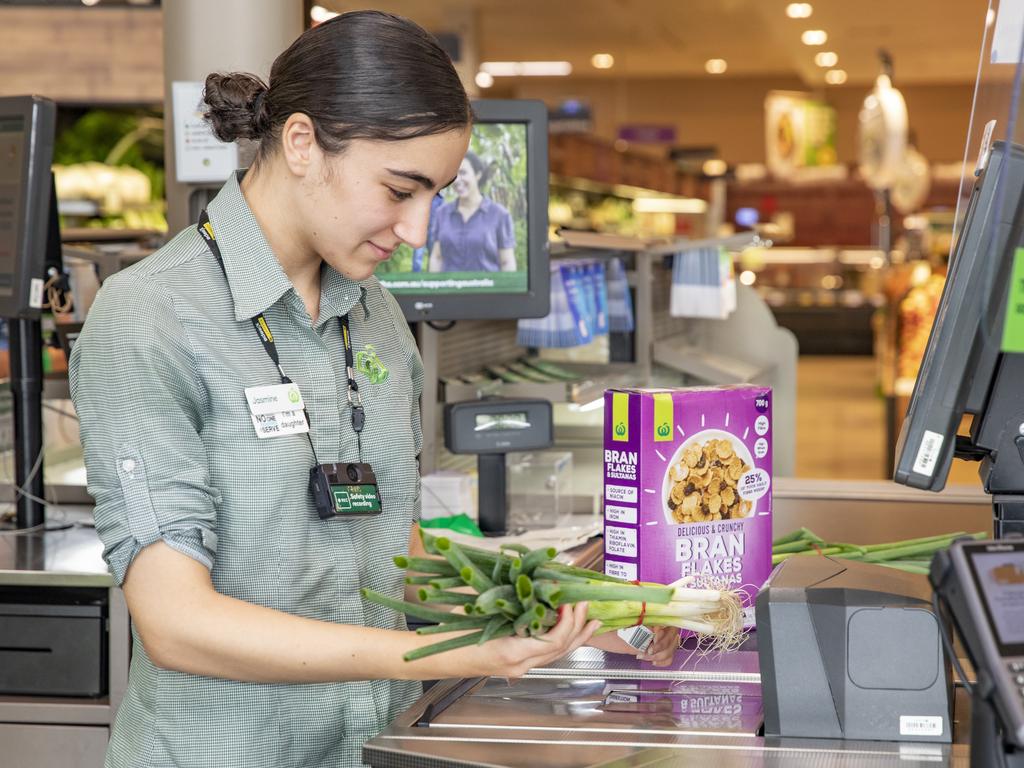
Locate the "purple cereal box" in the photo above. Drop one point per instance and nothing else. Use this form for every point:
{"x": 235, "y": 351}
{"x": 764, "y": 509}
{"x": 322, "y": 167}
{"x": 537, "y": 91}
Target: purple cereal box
{"x": 687, "y": 486}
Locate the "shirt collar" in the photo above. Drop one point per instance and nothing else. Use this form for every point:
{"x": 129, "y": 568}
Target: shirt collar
{"x": 255, "y": 276}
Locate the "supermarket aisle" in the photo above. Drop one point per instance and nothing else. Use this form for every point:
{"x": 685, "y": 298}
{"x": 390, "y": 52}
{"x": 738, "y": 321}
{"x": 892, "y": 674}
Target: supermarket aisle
{"x": 840, "y": 419}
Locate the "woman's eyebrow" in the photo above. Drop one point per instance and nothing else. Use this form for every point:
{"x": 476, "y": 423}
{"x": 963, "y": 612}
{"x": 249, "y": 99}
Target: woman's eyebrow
{"x": 424, "y": 181}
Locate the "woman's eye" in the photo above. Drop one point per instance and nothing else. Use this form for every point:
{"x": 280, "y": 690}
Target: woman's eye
{"x": 398, "y": 194}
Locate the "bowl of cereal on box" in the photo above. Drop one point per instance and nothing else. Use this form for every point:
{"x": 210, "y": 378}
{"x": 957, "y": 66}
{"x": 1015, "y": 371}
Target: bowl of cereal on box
{"x": 702, "y": 480}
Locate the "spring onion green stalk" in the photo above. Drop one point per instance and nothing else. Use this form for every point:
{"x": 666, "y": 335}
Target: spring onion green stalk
{"x": 521, "y": 596}
{"x": 910, "y": 555}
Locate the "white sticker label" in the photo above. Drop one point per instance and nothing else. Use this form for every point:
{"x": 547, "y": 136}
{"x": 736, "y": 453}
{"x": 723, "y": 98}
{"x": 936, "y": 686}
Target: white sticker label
{"x": 614, "y": 514}
{"x": 621, "y": 570}
{"x": 620, "y": 541}
{"x": 276, "y": 398}
{"x": 620, "y": 493}
{"x": 280, "y": 424}
{"x": 35, "y": 293}
{"x": 928, "y": 453}
{"x": 920, "y": 725}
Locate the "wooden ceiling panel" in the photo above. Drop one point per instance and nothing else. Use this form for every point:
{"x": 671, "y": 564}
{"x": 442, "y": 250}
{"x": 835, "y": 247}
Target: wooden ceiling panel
{"x": 932, "y": 41}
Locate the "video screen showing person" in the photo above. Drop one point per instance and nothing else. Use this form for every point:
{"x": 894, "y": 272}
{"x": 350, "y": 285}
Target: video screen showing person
{"x": 477, "y": 239}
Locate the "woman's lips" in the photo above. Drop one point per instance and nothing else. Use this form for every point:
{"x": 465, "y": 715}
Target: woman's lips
{"x": 381, "y": 252}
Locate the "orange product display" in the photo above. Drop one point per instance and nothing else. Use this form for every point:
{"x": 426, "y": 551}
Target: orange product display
{"x": 916, "y": 313}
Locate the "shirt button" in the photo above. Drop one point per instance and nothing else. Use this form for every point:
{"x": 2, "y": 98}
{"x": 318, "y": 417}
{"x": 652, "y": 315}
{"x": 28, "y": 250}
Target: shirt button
{"x": 128, "y": 465}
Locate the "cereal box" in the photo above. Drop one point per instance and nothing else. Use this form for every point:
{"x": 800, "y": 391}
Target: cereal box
{"x": 687, "y": 486}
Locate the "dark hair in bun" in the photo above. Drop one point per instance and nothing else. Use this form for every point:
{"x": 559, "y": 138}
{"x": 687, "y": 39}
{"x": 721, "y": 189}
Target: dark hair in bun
{"x": 361, "y": 75}
{"x": 235, "y": 108}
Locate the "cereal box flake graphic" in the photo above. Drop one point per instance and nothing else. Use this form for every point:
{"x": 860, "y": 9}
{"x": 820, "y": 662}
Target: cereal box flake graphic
{"x": 688, "y": 485}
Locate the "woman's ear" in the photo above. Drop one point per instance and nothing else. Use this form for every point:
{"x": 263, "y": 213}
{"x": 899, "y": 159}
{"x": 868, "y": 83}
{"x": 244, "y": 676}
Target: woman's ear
{"x": 298, "y": 143}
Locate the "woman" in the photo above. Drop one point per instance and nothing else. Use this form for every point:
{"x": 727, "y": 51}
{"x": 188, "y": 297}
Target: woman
{"x": 472, "y": 233}
{"x": 252, "y": 644}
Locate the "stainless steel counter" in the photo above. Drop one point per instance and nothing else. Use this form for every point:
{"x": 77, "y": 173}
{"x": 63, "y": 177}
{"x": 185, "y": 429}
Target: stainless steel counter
{"x": 593, "y": 711}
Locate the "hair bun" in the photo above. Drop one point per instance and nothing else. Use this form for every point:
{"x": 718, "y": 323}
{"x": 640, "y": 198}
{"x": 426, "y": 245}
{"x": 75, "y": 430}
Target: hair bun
{"x": 236, "y": 106}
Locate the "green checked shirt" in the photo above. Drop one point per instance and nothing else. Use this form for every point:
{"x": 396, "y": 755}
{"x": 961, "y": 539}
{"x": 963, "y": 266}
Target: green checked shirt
{"x": 158, "y": 379}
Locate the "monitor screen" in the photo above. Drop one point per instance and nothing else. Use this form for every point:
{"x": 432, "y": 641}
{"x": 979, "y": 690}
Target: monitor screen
{"x": 963, "y": 353}
{"x": 26, "y": 153}
{"x": 12, "y": 161}
{"x": 486, "y": 250}
{"x": 1000, "y": 579}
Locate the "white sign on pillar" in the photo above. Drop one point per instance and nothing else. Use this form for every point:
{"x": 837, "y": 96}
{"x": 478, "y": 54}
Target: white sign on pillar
{"x": 199, "y": 156}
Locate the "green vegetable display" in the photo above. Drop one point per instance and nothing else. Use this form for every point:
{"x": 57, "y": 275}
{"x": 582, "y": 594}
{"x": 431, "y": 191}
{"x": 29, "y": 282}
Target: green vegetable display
{"x": 518, "y": 592}
{"x": 910, "y": 555}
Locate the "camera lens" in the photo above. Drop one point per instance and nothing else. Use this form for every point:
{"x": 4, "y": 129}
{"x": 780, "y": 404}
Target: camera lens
{"x": 353, "y": 473}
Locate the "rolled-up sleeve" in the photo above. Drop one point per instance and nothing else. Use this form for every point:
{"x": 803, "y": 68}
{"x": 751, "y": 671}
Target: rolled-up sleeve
{"x": 140, "y": 402}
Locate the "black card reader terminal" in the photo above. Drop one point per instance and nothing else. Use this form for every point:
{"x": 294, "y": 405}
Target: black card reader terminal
{"x": 982, "y": 585}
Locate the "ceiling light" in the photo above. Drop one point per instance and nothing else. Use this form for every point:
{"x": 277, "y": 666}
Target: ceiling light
{"x": 714, "y": 167}
{"x": 835, "y": 76}
{"x": 669, "y": 205}
{"x": 319, "y": 14}
{"x": 526, "y": 68}
{"x": 90, "y": 2}
{"x": 715, "y": 66}
{"x": 602, "y": 60}
{"x": 814, "y": 37}
{"x": 799, "y": 10}
{"x": 484, "y": 79}
{"x": 826, "y": 59}
{"x": 747, "y": 277}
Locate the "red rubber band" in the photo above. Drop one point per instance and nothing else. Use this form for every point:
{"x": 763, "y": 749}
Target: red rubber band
{"x": 643, "y": 607}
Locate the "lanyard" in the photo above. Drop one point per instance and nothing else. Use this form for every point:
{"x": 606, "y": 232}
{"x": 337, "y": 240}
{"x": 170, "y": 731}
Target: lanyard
{"x": 267, "y": 338}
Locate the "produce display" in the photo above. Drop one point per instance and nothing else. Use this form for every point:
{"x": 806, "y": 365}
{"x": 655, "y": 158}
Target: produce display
{"x": 910, "y": 555}
{"x": 518, "y": 591}
{"x": 916, "y": 314}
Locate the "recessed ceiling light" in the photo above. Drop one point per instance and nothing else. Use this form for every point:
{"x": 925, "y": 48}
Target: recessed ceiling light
{"x": 826, "y": 59}
{"x": 799, "y": 10}
{"x": 715, "y": 66}
{"x": 484, "y": 79}
{"x": 527, "y": 68}
{"x": 90, "y": 2}
{"x": 835, "y": 76}
{"x": 319, "y": 14}
{"x": 814, "y": 37}
{"x": 602, "y": 61}
{"x": 714, "y": 167}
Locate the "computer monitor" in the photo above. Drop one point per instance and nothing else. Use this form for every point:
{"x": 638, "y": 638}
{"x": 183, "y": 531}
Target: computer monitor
{"x": 26, "y": 154}
{"x": 486, "y": 254}
{"x": 964, "y": 370}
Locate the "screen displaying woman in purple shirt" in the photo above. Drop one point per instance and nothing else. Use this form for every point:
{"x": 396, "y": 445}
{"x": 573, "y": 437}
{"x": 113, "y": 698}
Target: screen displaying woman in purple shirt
{"x": 472, "y": 233}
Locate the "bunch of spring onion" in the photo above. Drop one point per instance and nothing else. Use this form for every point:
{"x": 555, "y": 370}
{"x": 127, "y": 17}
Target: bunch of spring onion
{"x": 910, "y": 555}
{"x": 518, "y": 591}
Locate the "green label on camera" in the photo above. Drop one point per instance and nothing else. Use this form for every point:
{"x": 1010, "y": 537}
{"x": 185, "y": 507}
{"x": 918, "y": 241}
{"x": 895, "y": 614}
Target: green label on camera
{"x": 355, "y": 499}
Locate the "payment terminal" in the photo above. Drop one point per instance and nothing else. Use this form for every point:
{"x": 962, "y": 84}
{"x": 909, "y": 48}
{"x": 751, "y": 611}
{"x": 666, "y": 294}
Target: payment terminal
{"x": 982, "y": 585}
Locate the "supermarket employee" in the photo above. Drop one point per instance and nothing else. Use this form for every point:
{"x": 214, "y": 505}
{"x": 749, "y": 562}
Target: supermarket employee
{"x": 252, "y": 644}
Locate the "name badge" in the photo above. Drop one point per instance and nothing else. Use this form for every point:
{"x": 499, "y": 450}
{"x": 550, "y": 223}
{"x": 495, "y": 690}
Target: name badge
{"x": 280, "y": 424}
{"x": 277, "y": 398}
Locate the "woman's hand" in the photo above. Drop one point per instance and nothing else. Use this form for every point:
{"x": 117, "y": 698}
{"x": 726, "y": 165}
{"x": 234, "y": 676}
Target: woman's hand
{"x": 513, "y": 657}
{"x": 660, "y": 652}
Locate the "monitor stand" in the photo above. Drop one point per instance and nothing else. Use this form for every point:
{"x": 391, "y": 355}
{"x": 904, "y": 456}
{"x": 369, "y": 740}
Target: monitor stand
{"x": 26, "y": 356}
{"x": 492, "y": 493}
{"x": 997, "y": 440}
